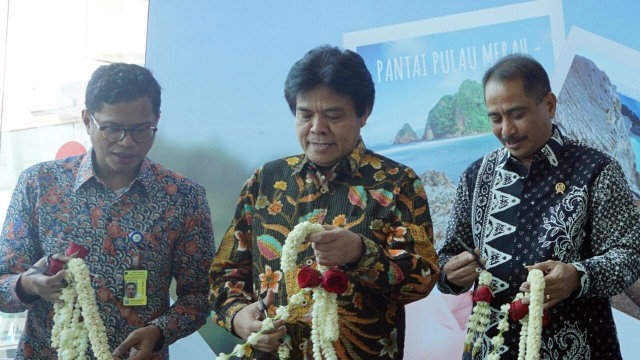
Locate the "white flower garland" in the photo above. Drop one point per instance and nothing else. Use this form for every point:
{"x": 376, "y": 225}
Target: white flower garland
{"x": 479, "y": 319}
{"x": 324, "y": 314}
{"x": 531, "y": 330}
{"x": 531, "y": 333}
{"x": 69, "y": 335}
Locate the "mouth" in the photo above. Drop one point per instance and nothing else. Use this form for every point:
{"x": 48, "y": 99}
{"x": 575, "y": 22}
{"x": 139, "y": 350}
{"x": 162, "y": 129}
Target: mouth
{"x": 511, "y": 142}
{"x": 320, "y": 145}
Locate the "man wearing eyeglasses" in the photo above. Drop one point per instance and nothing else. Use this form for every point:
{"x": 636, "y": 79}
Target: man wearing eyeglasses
{"x": 141, "y": 222}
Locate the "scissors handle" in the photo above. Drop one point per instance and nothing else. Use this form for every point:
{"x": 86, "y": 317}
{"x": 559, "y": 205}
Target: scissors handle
{"x": 468, "y": 249}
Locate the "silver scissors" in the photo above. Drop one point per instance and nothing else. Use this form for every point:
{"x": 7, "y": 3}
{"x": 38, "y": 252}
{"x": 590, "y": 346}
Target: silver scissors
{"x": 468, "y": 249}
{"x": 262, "y": 307}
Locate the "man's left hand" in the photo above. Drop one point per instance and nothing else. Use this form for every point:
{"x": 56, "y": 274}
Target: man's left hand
{"x": 139, "y": 344}
{"x": 336, "y": 246}
{"x": 561, "y": 280}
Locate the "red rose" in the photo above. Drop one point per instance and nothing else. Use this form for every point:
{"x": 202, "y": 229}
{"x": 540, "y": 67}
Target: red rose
{"x": 335, "y": 281}
{"x": 546, "y": 318}
{"x": 482, "y": 294}
{"x": 517, "y": 310}
{"x": 55, "y": 265}
{"x": 308, "y": 277}
{"x": 76, "y": 250}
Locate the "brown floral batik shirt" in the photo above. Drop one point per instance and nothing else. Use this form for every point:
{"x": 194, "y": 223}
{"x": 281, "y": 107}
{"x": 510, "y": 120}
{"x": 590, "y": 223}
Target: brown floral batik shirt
{"x": 368, "y": 194}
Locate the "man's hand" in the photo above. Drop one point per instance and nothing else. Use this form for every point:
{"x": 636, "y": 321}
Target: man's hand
{"x": 336, "y": 246}
{"x": 48, "y": 287}
{"x": 249, "y": 320}
{"x": 560, "y": 279}
{"x": 139, "y": 344}
{"x": 460, "y": 270}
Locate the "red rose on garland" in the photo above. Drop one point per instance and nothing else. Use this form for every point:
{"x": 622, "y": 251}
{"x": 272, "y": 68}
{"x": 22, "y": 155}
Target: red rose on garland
{"x": 73, "y": 250}
{"x": 55, "y": 265}
{"x": 518, "y": 310}
{"x": 482, "y": 294}
{"x": 335, "y": 281}
{"x": 308, "y": 277}
{"x": 546, "y": 318}
{"x": 76, "y": 251}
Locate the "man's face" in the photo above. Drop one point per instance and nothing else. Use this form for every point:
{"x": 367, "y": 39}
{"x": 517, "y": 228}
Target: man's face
{"x": 520, "y": 124}
{"x": 130, "y": 291}
{"x": 327, "y": 125}
{"x": 120, "y": 159}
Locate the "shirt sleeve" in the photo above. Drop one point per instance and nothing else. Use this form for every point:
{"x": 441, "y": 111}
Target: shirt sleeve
{"x": 401, "y": 261}
{"x": 615, "y": 229}
{"x": 459, "y": 227}
{"x": 231, "y": 273}
{"x": 191, "y": 259}
{"x": 19, "y": 243}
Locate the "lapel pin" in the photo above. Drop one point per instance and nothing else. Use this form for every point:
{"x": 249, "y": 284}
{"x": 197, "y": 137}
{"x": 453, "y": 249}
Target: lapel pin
{"x": 560, "y": 188}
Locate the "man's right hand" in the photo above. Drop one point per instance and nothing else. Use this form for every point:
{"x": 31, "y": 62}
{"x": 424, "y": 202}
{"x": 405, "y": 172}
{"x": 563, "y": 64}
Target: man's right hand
{"x": 461, "y": 271}
{"x": 249, "y": 320}
{"x": 45, "y": 286}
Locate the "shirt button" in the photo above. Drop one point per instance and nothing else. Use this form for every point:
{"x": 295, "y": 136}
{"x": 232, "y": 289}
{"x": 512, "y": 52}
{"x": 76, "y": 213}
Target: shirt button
{"x": 309, "y": 262}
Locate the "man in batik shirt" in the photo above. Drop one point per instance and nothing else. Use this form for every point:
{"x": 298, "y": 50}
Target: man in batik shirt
{"x": 547, "y": 202}
{"x": 133, "y": 215}
{"x": 375, "y": 211}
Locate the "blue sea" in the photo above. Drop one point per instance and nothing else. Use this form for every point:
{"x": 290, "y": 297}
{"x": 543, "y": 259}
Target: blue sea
{"x": 635, "y": 143}
{"x": 452, "y": 156}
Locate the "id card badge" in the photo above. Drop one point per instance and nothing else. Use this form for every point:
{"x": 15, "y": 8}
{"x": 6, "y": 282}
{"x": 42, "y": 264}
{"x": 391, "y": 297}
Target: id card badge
{"x": 135, "y": 288}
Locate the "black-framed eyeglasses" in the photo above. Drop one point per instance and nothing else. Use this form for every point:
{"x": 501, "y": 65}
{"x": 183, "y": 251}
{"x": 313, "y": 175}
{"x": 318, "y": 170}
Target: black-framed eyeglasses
{"x": 115, "y": 133}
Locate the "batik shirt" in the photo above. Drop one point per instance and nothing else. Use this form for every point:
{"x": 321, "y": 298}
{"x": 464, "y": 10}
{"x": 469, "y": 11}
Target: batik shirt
{"x": 58, "y": 202}
{"x": 574, "y": 206}
{"x": 368, "y": 194}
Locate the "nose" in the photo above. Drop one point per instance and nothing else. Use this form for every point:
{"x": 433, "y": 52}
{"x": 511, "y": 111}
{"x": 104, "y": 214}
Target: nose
{"x": 508, "y": 128}
{"x": 318, "y": 125}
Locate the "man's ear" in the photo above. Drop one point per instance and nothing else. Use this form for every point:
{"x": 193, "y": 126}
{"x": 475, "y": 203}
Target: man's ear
{"x": 552, "y": 101}
{"x": 85, "y": 119}
{"x": 363, "y": 119}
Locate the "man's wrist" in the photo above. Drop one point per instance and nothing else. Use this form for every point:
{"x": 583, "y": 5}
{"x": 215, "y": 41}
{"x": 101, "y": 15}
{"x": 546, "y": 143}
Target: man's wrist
{"x": 23, "y": 294}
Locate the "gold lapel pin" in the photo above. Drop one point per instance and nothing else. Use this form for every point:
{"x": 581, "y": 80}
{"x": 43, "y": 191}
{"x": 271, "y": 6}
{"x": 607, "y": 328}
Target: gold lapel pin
{"x": 560, "y": 188}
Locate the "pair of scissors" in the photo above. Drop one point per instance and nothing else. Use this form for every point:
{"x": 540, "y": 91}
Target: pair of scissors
{"x": 468, "y": 249}
{"x": 262, "y": 307}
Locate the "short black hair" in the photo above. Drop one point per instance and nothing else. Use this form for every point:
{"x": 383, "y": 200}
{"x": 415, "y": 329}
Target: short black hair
{"x": 524, "y": 67}
{"x": 342, "y": 71}
{"x": 120, "y": 82}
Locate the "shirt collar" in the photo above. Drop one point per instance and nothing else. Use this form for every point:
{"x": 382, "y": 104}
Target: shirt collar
{"x": 551, "y": 151}
{"x": 86, "y": 171}
{"x": 349, "y": 165}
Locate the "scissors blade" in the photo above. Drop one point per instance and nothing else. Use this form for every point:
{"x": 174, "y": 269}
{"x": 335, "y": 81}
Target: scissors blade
{"x": 468, "y": 249}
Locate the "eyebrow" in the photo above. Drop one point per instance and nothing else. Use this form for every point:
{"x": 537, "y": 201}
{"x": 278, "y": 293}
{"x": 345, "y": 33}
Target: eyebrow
{"x": 334, "y": 108}
{"x": 509, "y": 111}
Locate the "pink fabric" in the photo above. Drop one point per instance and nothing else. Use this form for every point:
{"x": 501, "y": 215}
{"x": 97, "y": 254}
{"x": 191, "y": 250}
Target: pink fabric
{"x": 436, "y": 326}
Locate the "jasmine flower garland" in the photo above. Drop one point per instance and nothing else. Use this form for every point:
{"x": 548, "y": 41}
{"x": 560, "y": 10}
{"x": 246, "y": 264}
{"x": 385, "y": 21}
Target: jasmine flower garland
{"x": 479, "y": 319}
{"x": 531, "y": 319}
{"x": 534, "y": 324}
{"x": 324, "y": 313}
{"x": 324, "y": 326}
{"x": 69, "y": 334}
